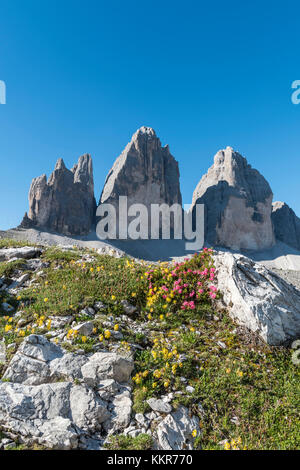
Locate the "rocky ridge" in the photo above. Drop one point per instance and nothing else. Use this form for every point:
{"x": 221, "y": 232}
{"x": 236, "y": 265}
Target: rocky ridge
{"x": 237, "y": 198}
{"x": 65, "y": 203}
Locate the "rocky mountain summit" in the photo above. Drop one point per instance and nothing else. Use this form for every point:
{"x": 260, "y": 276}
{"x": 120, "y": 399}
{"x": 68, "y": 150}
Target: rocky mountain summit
{"x": 238, "y": 204}
{"x": 145, "y": 172}
{"x": 238, "y": 200}
{"x": 65, "y": 203}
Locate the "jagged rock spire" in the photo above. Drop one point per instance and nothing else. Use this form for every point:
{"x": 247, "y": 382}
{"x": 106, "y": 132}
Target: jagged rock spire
{"x": 145, "y": 172}
{"x": 65, "y": 203}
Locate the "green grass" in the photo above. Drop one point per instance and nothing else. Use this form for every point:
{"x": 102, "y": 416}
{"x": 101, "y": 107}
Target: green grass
{"x": 249, "y": 391}
{"x": 121, "y": 442}
{"x": 11, "y": 243}
{"x": 55, "y": 255}
{"x": 75, "y": 286}
{"x": 7, "y": 269}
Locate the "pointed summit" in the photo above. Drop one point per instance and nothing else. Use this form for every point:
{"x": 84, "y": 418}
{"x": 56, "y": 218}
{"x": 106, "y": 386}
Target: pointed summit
{"x": 238, "y": 203}
{"x": 145, "y": 172}
{"x": 83, "y": 172}
{"x": 146, "y": 132}
{"x": 65, "y": 203}
{"x": 60, "y": 165}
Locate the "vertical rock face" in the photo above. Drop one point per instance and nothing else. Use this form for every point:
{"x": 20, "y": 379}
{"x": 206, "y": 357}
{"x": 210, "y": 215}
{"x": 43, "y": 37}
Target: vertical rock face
{"x": 238, "y": 204}
{"x": 145, "y": 172}
{"x": 286, "y": 224}
{"x": 65, "y": 203}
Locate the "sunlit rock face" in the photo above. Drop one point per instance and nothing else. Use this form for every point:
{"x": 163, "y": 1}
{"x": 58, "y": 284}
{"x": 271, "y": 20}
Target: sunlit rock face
{"x": 238, "y": 204}
{"x": 145, "y": 172}
{"x": 65, "y": 203}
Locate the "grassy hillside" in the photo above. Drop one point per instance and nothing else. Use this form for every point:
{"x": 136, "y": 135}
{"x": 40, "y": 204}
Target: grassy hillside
{"x": 246, "y": 394}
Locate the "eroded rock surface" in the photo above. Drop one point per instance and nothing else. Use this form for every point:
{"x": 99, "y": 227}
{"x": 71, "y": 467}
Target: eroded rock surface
{"x": 51, "y": 397}
{"x": 145, "y": 172}
{"x": 175, "y": 431}
{"x": 26, "y": 252}
{"x": 238, "y": 204}
{"x": 65, "y": 203}
{"x": 259, "y": 299}
{"x": 286, "y": 224}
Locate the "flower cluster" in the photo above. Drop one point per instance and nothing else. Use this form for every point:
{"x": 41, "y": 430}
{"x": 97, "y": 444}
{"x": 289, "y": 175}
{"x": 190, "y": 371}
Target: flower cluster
{"x": 234, "y": 444}
{"x": 183, "y": 286}
{"x": 9, "y": 328}
{"x": 162, "y": 364}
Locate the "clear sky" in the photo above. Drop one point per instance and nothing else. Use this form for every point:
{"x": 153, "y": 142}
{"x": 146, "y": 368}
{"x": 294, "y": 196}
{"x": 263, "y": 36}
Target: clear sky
{"x": 82, "y": 76}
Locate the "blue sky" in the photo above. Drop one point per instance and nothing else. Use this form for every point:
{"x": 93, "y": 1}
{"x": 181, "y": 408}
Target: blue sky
{"x": 82, "y": 76}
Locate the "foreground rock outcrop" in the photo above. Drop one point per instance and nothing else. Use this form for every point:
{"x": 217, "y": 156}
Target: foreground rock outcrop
{"x": 65, "y": 203}
{"x": 54, "y": 398}
{"x": 286, "y": 224}
{"x": 145, "y": 172}
{"x": 259, "y": 299}
{"x": 68, "y": 401}
{"x": 175, "y": 431}
{"x": 26, "y": 252}
{"x": 238, "y": 204}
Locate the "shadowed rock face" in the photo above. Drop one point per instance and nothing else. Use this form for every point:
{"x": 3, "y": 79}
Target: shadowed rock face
{"x": 65, "y": 203}
{"x": 145, "y": 172}
{"x": 286, "y": 224}
{"x": 238, "y": 204}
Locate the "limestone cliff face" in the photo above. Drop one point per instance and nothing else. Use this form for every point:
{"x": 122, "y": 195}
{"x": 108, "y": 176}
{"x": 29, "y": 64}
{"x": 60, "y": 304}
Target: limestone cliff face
{"x": 238, "y": 204}
{"x": 65, "y": 203}
{"x": 145, "y": 172}
{"x": 286, "y": 224}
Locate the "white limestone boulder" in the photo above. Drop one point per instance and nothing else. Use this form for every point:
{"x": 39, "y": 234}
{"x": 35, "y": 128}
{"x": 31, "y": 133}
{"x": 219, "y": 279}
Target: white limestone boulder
{"x": 258, "y": 299}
